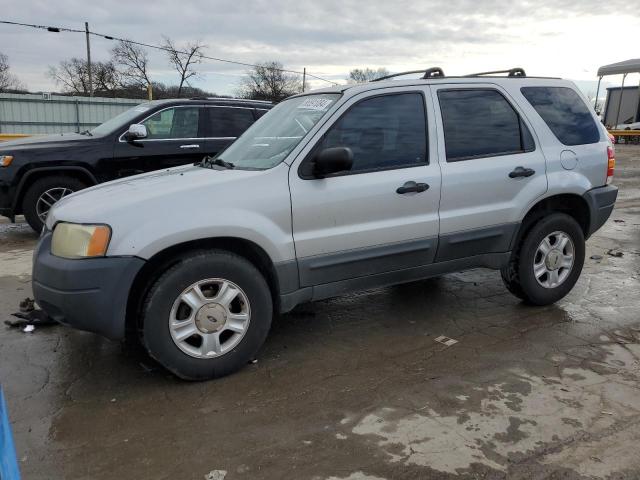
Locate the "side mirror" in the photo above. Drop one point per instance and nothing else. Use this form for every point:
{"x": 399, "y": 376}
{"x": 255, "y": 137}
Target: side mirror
{"x": 333, "y": 160}
{"x": 136, "y": 132}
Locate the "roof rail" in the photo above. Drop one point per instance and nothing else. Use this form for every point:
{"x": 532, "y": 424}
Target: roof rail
{"x": 512, "y": 72}
{"x": 428, "y": 73}
{"x": 231, "y": 99}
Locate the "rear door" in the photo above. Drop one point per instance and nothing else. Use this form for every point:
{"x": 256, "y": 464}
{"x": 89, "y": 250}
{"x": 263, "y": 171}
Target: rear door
{"x": 225, "y": 124}
{"x": 363, "y": 222}
{"x": 491, "y": 167}
{"x": 174, "y": 137}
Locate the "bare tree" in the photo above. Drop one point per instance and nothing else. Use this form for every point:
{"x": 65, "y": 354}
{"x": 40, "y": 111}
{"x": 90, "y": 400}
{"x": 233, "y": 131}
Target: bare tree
{"x": 364, "y": 75}
{"x": 8, "y": 81}
{"x": 133, "y": 63}
{"x": 183, "y": 59}
{"x": 73, "y": 76}
{"x": 268, "y": 81}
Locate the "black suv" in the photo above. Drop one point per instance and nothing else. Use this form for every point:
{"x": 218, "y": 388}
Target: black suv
{"x": 38, "y": 171}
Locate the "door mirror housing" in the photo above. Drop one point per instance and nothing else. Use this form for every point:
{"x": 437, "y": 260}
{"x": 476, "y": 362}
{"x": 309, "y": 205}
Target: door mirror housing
{"x": 333, "y": 160}
{"x": 136, "y": 131}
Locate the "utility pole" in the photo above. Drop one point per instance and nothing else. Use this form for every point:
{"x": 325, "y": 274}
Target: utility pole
{"x": 304, "y": 78}
{"x": 86, "y": 30}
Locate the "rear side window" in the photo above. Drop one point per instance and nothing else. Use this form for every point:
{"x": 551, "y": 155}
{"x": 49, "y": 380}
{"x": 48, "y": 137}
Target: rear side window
{"x": 565, "y": 113}
{"x": 229, "y": 122}
{"x": 481, "y": 123}
{"x": 383, "y": 132}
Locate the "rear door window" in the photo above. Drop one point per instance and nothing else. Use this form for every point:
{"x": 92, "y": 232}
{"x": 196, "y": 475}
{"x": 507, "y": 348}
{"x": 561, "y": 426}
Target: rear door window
{"x": 481, "y": 123}
{"x": 229, "y": 122}
{"x": 565, "y": 113}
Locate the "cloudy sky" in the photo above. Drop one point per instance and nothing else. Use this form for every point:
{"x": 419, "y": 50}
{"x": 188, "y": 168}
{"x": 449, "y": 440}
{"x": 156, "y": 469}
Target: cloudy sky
{"x": 565, "y": 38}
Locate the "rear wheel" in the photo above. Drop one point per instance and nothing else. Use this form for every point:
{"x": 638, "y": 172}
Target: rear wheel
{"x": 549, "y": 261}
{"x": 43, "y": 194}
{"x": 207, "y": 316}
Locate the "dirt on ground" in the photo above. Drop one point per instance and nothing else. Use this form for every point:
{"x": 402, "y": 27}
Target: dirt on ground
{"x": 355, "y": 387}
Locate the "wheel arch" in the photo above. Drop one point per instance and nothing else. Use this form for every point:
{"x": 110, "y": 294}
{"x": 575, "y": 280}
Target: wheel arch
{"x": 81, "y": 173}
{"x": 569, "y": 203}
{"x": 168, "y": 257}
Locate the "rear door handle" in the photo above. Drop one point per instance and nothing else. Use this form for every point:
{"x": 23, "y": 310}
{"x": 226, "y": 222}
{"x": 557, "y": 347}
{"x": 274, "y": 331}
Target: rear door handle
{"x": 521, "y": 172}
{"x": 412, "y": 186}
{"x": 191, "y": 145}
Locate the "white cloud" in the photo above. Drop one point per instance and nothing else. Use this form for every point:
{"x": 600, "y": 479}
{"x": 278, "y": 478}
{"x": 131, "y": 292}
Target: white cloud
{"x": 557, "y": 38}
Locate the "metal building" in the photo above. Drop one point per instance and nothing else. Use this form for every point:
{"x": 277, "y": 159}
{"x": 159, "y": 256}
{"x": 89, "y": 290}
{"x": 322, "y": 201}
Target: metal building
{"x": 621, "y": 110}
{"x": 45, "y": 113}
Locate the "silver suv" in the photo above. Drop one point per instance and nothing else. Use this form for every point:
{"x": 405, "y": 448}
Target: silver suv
{"x": 342, "y": 189}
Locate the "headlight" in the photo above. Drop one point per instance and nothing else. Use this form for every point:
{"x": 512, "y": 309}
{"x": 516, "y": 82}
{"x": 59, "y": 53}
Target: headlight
{"x": 71, "y": 240}
{"x": 5, "y": 160}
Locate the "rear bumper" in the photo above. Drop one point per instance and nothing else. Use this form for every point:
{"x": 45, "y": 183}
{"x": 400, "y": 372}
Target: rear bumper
{"x": 87, "y": 294}
{"x": 601, "y": 201}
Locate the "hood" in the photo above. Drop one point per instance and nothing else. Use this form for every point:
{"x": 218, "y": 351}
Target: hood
{"x": 163, "y": 192}
{"x": 41, "y": 141}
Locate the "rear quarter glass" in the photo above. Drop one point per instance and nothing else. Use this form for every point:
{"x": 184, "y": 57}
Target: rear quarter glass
{"x": 565, "y": 113}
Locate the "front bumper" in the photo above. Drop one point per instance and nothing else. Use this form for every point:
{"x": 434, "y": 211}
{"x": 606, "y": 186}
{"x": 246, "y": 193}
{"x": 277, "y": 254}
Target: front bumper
{"x": 601, "y": 201}
{"x": 89, "y": 294}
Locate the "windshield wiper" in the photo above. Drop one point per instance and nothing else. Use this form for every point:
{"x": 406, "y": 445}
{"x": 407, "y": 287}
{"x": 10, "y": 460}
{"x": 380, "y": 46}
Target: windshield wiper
{"x": 86, "y": 132}
{"x": 209, "y": 161}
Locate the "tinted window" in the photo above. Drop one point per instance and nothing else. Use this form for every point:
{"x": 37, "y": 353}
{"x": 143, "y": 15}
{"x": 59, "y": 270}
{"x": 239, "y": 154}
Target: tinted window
{"x": 179, "y": 122}
{"x": 229, "y": 122}
{"x": 565, "y": 113}
{"x": 383, "y": 132}
{"x": 481, "y": 123}
{"x": 260, "y": 112}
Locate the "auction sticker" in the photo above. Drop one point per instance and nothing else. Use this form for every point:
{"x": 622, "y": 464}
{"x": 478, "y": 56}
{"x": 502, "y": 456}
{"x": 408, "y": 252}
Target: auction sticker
{"x": 316, "y": 103}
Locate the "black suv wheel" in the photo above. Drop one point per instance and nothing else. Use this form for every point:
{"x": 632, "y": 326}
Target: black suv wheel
{"x": 43, "y": 193}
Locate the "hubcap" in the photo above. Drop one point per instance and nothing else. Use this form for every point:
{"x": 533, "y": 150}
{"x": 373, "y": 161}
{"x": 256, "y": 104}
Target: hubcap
{"x": 48, "y": 198}
{"x": 209, "y": 318}
{"x": 553, "y": 260}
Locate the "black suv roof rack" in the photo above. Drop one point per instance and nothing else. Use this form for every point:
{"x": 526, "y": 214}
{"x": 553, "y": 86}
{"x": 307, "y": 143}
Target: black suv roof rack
{"x": 230, "y": 99}
{"x": 512, "y": 72}
{"x": 434, "y": 72}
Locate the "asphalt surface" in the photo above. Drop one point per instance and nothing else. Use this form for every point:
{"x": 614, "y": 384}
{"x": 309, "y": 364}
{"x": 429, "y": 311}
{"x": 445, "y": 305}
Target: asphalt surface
{"x": 355, "y": 387}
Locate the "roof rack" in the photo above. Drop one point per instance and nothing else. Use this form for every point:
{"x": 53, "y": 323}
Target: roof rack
{"x": 512, "y": 72}
{"x": 428, "y": 73}
{"x": 231, "y": 99}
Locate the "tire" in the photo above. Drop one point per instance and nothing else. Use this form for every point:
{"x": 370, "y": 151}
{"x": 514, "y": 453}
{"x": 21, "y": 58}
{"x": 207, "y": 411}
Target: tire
{"x": 165, "y": 305}
{"x": 546, "y": 287}
{"x": 49, "y": 188}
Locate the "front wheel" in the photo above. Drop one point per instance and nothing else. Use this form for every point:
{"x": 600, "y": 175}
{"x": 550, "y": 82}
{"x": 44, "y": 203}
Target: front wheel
{"x": 207, "y": 316}
{"x": 549, "y": 261}
{"x": 43, "y": 194}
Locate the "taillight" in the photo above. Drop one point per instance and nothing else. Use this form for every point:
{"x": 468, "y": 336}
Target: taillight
{"x": 611, "y": 163}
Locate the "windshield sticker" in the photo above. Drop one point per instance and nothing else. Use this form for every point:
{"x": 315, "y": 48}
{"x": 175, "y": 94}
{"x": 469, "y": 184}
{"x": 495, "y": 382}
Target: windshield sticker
{"x": 316, "y": 103}
{"x": 141, "y": 108}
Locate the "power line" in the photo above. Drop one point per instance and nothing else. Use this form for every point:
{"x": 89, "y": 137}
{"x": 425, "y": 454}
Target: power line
{"x": 159, "y": 47}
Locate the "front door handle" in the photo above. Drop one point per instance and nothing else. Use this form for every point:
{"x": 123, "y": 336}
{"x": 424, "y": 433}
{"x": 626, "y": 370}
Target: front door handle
{"x": 521, "y": 172}
{"x": 412, "y": 186}
{"x": 191, "y": 145}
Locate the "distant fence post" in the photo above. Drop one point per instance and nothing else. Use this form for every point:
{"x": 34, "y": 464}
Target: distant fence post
{"x": 77, "y": 116}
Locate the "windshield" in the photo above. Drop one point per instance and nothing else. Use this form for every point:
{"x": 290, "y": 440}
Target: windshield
{"x": 268, "y": 141}
{"x": 120, "y": 120}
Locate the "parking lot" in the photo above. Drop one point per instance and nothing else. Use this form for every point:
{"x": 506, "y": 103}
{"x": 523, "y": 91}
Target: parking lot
{"x": 355, "y": 387}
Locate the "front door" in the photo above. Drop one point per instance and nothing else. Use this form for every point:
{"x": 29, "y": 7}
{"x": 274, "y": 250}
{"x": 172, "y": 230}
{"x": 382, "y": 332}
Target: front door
{"x": 382, "y": 215}
{"x": 173, "y": 138}
{"x": 492, "y": 168}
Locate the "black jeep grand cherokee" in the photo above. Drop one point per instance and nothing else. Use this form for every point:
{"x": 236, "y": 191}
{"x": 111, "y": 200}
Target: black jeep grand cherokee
{"x": 38, "y": 171}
